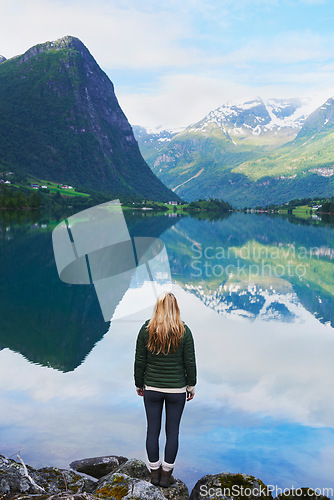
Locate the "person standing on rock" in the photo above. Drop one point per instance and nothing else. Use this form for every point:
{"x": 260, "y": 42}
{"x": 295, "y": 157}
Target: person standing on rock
{"x": 165, "y": 372}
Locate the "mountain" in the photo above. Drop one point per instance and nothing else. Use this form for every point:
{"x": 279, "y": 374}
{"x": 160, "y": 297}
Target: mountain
{"x": 279, "y": 120}
{"x": 241, "y": 152}
{"x": 245, "y": 119}
{"x": 60, "y": 120}
{"x": 320, "y": 121}
{"x": 151, "y": 141}
{"x": 305, "y": 165}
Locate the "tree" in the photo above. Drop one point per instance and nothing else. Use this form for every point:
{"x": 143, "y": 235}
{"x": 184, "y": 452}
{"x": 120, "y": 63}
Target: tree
{"x": 35, "y": 200}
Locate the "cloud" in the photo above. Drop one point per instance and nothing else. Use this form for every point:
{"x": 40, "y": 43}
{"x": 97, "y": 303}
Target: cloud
{"x": 179, "y": 100}
{"x": 285, "y": 48}
{"x": 186, "y": 58}
{"x": 116, "y": 36}
{"x": 259, "y": 368}
{"x": 182, "y": 99}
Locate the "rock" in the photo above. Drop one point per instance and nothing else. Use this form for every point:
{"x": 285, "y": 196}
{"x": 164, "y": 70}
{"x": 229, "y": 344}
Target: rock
{"x": 134, "y": 468}
{"x": 130, "y": 481}
{"x": 12, "y": 478}
{"x": 226, "y": 485}
{"x": 122, "y": 486}
{"x": 55, "y": 480}
{"x": 98, "y": 466}
{"x": 60, "y": 496}
{"x": 137, "y": 469}
{"x": 177, "y": 491}
{"x": 295, "y": 494}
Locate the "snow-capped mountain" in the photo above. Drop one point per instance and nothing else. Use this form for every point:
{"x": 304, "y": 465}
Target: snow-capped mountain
{"x": 320, "y": 121}
{"x": 152, "y": 140}
{"x": 162, "y": 135}
{"x": 238, "y": 119}
{"x": 257, "y": 116}
{"x": 249, "y": 152}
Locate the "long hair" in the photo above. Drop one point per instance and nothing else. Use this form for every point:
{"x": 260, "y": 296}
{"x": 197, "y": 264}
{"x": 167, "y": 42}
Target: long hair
{"x": 165, "y": 327}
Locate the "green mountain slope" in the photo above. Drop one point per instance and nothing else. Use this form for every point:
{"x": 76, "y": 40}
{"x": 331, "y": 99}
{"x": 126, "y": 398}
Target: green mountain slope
{"x": 249, "y": 156}
{"x": 304, "y": 166}
{"x": 199, "y": 164}
{"x": 60, "y": 120}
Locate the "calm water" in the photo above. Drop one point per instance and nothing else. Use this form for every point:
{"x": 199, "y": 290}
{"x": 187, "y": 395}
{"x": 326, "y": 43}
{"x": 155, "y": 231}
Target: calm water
{"x": 258, "y": 294}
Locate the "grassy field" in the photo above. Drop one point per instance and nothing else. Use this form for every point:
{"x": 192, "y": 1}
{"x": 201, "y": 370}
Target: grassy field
{"x": 52, "y": 187}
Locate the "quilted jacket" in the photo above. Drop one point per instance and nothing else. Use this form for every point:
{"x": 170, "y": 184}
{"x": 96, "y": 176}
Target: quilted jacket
{"x": 172, "y": 370}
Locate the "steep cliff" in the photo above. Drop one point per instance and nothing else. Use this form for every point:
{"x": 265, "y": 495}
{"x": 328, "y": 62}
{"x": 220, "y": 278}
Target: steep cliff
{"x": 60, "y": 120}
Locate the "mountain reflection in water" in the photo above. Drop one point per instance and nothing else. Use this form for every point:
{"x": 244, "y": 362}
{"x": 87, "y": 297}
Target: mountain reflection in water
{"x": 264, "y": 344}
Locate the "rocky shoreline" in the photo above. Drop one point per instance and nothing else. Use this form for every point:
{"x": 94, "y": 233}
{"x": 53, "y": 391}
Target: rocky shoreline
{"x": 116, "y": 477}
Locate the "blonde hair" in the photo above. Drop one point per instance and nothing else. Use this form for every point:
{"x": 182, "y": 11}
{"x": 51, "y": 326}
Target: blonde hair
{"x": 165, "y": 327}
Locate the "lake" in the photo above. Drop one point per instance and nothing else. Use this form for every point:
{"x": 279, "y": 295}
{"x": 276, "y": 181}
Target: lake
{"x": 257, "y": 291}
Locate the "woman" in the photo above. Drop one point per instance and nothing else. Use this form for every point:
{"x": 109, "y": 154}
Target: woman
{"x": 165, "y": 372}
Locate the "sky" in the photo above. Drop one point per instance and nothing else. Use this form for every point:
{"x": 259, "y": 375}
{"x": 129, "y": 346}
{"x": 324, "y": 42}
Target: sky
{"x": 173, "y": 62}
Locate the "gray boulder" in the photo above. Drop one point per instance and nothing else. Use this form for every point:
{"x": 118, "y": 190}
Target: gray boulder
{"x": 55, "y": 480}
{"x": 132, "y": 479}
{"x": 137, "y": 469}
{"x": 117, "y": 485}
{"x": 14, "y": 480}
{"x": 98, "y": 466}
{"x": 226, "y": 485}
{"x": 59, "y": 496}
{"x": 134, "y": 468}
{"x": 176, "y": 491}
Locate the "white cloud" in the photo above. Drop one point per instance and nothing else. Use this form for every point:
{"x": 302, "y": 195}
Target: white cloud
{"x": 285, "y": 48}
{"x": 184, "y": 50}
{"x": 116, "y": 36}
{"x": 260, "y": 367}
{"x": 179, "y": 100}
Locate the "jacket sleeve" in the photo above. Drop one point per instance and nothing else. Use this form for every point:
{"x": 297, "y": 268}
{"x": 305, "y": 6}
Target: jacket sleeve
{"x": 189, "y": 359}
{"x": 140, "y": 358}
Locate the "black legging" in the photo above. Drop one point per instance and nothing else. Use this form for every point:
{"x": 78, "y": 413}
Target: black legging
{"x": 174, "y": 403}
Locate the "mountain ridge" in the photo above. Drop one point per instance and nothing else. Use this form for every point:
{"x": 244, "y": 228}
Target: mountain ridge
{"x": 66, "y": 124}
{"x": 250, "y": 152}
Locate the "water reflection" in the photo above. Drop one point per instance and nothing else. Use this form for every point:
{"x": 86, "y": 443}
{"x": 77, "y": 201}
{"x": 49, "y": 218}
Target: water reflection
{"x": 249, "y": 266}
{"x": 264, "y": 343}
{"x": 242, "y": 266}
{"x": 50, "y": 322}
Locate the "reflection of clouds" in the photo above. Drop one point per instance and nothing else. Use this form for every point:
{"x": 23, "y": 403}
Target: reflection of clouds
{"x": 91, "y": 411}
{"x": 261, "y": 366}
{"x": 254, "y": 380}
{"x": 136, "y": 297}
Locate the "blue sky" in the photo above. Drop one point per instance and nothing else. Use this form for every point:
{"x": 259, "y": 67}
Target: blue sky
{"x": 172, "y": 62}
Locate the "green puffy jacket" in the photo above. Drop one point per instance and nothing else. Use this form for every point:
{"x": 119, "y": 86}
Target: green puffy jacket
{"x": 172, "y": 370}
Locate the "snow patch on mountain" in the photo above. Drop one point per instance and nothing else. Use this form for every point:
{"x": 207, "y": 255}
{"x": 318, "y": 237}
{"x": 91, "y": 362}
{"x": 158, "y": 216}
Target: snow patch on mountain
{"x": 258, "y": 116}
{"x": 251, "y": 302}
